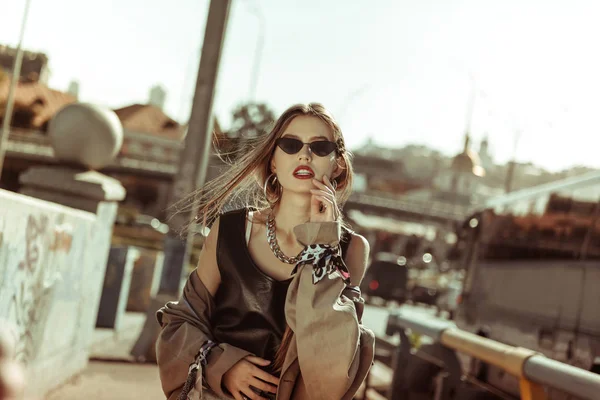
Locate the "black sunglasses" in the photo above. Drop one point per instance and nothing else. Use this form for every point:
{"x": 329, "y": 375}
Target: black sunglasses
{"x": 321, "y": 148}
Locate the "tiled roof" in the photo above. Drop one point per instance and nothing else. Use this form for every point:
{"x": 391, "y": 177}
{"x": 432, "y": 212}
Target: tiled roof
{"x": 44, "y": 101}
{"x": 146, "y": 118}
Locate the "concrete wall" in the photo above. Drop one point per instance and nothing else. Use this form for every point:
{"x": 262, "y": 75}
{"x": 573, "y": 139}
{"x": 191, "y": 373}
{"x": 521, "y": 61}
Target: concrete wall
{"x": 52, "y": 265}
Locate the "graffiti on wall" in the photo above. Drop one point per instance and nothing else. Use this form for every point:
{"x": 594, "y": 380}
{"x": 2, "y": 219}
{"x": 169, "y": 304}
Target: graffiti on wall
{"x": 35, "y": 280}
{"x": 34, "y": 229}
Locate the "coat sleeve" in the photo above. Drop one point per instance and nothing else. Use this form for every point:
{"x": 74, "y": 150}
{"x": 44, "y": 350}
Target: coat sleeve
{"x": 332, "y": 350}
{"x": 185, "y": 327}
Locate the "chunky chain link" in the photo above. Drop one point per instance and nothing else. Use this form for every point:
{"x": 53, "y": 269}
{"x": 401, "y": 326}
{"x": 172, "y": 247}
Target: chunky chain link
{"x": 272, "y": 239}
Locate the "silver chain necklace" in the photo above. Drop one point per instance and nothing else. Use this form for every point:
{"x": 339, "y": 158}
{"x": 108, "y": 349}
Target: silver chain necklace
{"x": 272, "y": 239}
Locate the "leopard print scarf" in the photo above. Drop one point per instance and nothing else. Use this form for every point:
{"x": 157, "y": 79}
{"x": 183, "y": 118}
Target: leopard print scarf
{"x": 326, "y": 260}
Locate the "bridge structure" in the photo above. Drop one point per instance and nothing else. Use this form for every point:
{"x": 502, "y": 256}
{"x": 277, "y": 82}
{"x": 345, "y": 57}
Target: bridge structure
{"x": 430, "y": 211}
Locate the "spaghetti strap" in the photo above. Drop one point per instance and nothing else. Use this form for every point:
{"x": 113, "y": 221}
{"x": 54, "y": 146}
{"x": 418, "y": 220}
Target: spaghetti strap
{"x": 249, "y": 222}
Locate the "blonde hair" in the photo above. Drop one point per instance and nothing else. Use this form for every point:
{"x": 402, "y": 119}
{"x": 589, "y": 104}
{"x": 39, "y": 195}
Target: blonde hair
{"x": 244, "y": 181}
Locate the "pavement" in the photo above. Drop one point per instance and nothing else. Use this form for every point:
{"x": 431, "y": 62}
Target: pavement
{"x": 104, "y": 380}
{"x": 113, "y": 374}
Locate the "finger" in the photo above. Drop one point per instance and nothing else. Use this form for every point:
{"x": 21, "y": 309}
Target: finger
{"x": 258, "y": 361}
{"x": 325, "y": 200}
{"x": 330, "y": 195}
{"x": 264, "y": 386}
{"x": 328, "y": 182}
{"x": 318, "y": 192}
{"x": 315, "y": 205}
{"x": 323, "y": 186}
{"x": 250, "y": 394}
{"x": 330, "y": 209}
{"x": 265, "y": 376}
{"x": 237, "y": 395}
{"x": 327, "y": 205}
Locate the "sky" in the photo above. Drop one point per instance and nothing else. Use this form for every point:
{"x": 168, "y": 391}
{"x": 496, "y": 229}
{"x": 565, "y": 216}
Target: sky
{"x": 396, "y": 71}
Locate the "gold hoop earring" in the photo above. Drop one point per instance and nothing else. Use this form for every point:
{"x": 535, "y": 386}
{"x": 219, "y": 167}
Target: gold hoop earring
{"x": 266, "y": 185}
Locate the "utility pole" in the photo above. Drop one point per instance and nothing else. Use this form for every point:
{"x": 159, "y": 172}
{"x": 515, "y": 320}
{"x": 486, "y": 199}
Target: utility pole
{"x": 10, "y": 101}
{"x": 194, "y": 156}
{"x": 191, "y": 174}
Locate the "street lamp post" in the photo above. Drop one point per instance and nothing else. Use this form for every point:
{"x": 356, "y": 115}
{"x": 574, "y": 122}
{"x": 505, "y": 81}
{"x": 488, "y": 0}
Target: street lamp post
{"x": 191, "y": 174}
{"x": 260, "y": 44}
{"x": 10, "y": 101}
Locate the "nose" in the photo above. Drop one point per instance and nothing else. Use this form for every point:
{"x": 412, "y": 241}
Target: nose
{"x": 305, "y": 153}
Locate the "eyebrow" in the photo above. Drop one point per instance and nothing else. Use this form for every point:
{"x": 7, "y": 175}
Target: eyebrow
{"x": 310, "y": 139}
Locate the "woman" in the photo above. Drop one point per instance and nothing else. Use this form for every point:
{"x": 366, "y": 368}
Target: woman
{"x": 274, "y": 305}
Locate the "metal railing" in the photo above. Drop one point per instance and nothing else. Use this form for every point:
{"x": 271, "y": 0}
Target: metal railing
{"x": 534, "y": 370}
{"x": 438, "y": 209}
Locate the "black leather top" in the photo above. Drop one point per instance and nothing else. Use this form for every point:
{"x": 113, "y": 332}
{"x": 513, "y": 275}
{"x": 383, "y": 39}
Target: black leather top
{"x": 249, "y": 310}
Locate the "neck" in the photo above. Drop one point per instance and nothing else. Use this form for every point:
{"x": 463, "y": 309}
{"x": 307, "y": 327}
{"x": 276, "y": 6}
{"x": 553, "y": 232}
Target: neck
{"x": 293, "y": 209}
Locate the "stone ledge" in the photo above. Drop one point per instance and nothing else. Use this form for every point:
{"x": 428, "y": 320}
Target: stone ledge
{"x": 82, "y": 183}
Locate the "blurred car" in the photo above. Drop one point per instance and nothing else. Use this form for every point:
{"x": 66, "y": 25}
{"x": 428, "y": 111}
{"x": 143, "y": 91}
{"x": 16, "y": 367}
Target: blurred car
{"x": 386, "y": 279}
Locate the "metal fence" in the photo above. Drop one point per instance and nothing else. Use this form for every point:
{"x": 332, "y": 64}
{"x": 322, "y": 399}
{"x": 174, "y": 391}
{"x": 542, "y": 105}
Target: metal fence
{"x": 534, "y": 371}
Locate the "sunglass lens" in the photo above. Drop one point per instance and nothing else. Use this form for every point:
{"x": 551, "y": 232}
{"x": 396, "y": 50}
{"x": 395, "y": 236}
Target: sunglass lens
{"x": 290, "y": 145}
{"x": 322, "y": 148}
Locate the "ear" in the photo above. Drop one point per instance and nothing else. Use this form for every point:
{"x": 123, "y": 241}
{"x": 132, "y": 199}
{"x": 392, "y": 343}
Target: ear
{"x": 340, "y": 166}
{"x": 338, "y": 171}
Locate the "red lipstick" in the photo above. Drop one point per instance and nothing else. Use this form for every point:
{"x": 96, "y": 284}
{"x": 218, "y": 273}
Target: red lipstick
{"x": 304, "y": 172}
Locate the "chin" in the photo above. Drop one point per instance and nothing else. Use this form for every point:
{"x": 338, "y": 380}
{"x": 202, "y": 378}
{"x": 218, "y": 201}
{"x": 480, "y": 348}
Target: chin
{"x": 301, "y": 189}
{"x": 300, "y": 186}
{"x": 304, "y": 184}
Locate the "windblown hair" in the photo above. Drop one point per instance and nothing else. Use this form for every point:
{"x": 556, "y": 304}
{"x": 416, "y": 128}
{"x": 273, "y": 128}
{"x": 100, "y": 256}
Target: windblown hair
{"x": 244, "y": 180}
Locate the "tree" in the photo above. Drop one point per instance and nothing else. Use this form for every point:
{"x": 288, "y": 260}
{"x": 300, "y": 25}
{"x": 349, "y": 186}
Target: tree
{"x": 251, "y": 120}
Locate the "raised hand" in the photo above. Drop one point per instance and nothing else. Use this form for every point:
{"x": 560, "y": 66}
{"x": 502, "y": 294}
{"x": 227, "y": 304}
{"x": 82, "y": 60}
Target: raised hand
{"x": 323, "y": 205}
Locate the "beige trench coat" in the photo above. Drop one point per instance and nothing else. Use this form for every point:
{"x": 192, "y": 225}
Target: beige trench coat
{"x": 330, "y": 349}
